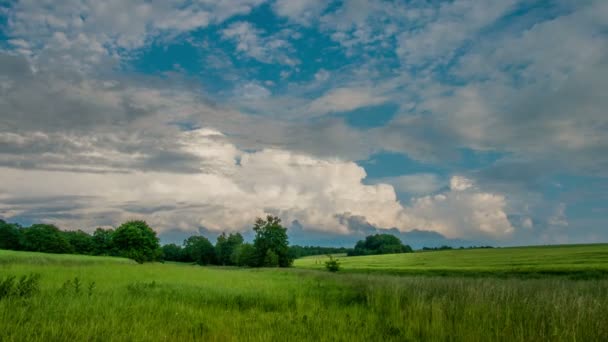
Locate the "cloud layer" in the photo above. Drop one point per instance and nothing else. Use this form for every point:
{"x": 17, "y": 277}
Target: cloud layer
{"x": 209, "y": 113}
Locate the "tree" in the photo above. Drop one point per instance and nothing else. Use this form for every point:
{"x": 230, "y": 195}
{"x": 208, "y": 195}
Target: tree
{"x": 271, "y": 236}
{"x": 81, "y": 242}
{"x": 244, "y": 255}
{"x": 380, "y": 244}
{"x": 173, "y": 252}
{"x": 225, "y": 247}
{"x": 137, "y": 241}
{"x": 10, "y": 236}
{"x": 45, "y": 238}
{"x": 200, "y": 250}
{"x": 102, "y": 242}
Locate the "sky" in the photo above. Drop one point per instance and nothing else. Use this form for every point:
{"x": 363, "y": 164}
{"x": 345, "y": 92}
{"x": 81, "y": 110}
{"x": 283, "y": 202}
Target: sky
{"x": 457, "y": 122}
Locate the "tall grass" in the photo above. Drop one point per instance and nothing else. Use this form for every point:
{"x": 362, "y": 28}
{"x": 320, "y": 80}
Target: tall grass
{"x": 172, "y": 302}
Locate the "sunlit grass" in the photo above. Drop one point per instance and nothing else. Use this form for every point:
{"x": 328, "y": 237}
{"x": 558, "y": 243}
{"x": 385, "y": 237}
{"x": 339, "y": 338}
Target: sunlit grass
{"x": 569, "y": 260}
{"x": 131, "y": 302}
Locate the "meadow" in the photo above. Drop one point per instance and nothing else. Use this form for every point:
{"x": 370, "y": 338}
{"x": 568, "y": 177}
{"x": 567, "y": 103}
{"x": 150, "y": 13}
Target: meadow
{"x": 573, "y": 261}
{"x": 113, "y": 299}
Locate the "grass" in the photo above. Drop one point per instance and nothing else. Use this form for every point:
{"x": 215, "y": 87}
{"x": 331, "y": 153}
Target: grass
{"x": 576, "y": 261}
{"x": 117, "y": 300}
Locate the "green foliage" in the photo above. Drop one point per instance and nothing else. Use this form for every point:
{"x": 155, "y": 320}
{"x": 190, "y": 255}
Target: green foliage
{"x": 380, "y": 244}
{"x": 271, "y": 259}
{"x": 136, "y": 240}
{"x": 26, "y": 286}
{"x": 173, "y": 252}
{"x": 200, "y": 250}
{"x": 10, "y": 236}
{"x": 45, "y": 238}
{"x": 225, "y": 247}
{"x": 301, "y": 251}
{"x": 270, "y": 235}
{"x": 244, "y": 255}
{"x": 102, "y": 241}
{"x": 81, "y": 242}
{"x": 333, "y": 264}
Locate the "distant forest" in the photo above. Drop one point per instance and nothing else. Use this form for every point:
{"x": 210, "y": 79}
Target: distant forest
{"x": 137, "y": 241}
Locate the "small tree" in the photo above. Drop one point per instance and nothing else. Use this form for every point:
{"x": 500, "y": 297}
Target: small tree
{"x": 333, "y": 264}
{"x": 137, "y": 241}
{"x": 270, "y": 235}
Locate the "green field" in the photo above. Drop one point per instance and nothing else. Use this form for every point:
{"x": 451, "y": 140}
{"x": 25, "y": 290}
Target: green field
{"x": 115, "y": 299}
{"x": 569, "y": 260}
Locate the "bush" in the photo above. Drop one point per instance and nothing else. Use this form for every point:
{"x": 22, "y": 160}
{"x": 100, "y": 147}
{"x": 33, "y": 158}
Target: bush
{"x": 333, "y": 264}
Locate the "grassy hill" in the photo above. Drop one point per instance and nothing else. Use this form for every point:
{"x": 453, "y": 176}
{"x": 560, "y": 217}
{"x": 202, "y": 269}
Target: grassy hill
{"x": 572, "y": 260}
{"x": 80, "y": 298}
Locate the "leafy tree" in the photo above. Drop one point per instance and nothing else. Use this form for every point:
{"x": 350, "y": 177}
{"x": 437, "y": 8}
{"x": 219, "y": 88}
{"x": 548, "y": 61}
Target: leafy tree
{"x": 271, "y": 259}
{"x": 102, "y": 242}
{"x": 270, "y": 235}
{"x": 45, "y": 238}
{"x": 173, "y": 252}
{"x": 225, "y": 247}
{"x": 380, "y": 244}
{"x": 81, "y": 242}
{"x": 200, "y": 250}
{"x": 244, "y": 255}
{"x": 137, "y": 241}
{"x": 10, "y": 236}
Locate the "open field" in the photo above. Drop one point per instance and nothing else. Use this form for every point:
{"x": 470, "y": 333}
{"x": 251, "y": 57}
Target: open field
{"x": 578, "y": 261}
{"x": 117, "y": 300}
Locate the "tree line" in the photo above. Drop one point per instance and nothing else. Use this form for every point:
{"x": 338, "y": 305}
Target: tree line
{"x": 137, "y": 241}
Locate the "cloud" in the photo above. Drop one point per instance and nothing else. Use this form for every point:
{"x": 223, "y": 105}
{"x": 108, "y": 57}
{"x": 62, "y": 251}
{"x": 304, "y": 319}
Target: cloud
{"x": 232, "y": 187}
{"x": 416, "y": 184}
{"x": 83, "y": 36}
{"x": 345, "y": 99}
{"x": 302, "y": 12}
{"x": 446, "y": 28}
{"x": 250, "y": 41}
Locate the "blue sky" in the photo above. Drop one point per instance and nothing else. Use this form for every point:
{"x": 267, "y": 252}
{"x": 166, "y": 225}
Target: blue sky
{"x": 439, "y": 121}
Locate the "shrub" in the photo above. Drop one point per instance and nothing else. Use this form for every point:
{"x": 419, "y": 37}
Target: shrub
{"x": 333, "y": 264}
{"x": 26, "y": 286}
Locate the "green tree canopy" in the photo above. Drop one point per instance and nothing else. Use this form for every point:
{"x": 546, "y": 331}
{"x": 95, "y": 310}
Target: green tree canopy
{"x": 225, "y": 247}
{"x": 45, "y": 238}
{"x": 244, "y": 255}
{"x": 200, "y": 250}
{"x": 10, "y": 236}
{"x": 137, "y": 241}
{"x": 102, "y": 242}
{"x": 81, "y": 242}
{"x": 270, "y": 240}
{"x": 380, "y": 244}
{"x": 173, "y": 252}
